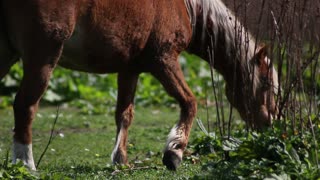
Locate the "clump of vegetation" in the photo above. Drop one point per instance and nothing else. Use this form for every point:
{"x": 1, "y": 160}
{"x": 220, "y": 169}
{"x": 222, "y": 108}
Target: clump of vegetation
{"x": 14, "y": 171}
{"x": 267, "y": 154}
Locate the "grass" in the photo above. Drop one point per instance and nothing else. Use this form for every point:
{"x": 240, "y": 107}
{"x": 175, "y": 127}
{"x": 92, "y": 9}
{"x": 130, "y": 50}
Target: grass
{"x": 82, "y": 147}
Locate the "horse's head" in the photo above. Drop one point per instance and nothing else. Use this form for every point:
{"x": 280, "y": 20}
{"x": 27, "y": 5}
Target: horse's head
{"x": 251, "y": 83}
{"x": 263, "y": 105}
{"x": 266, "y": 87}
{"x": 254, "y": 97}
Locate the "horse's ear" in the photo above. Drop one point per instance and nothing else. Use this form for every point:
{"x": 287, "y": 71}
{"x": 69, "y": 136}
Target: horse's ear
{"x": 261, "y": 60}
{"x": 261, "y": 54}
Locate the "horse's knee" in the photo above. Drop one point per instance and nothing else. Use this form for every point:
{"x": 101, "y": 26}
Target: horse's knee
{"x": 125, "y": 116}
{"x": 189, "y": 108}
{"x": 192, "y": 105}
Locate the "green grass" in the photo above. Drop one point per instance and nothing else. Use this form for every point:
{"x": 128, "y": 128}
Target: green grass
{"x": 82, "y": 148}
{"x": 84, "y": 143}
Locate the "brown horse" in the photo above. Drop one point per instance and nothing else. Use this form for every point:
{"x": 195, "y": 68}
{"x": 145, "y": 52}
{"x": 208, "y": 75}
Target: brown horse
{"x": 129, "y": 37}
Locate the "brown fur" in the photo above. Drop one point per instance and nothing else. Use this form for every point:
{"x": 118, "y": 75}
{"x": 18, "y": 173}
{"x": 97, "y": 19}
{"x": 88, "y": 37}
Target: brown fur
{"x": 124, "y": 36}
{"x": 104, "y": 36}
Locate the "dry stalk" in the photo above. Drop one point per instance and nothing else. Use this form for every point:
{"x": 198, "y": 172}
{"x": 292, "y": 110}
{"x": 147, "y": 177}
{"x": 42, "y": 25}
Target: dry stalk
{"x": 51, "y": 137}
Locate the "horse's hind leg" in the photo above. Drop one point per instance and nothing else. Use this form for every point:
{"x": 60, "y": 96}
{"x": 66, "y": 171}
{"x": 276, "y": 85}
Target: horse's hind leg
{"x": 6, "y": 62}
{"x": 124, "y": 114}
{"x": 5, "y": 66}
{"x": 7, "y": 56}
{"x": 38, "y": 62}
{"x": 169, "y": 73}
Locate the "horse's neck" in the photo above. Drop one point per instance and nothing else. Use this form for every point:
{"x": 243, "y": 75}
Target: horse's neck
{"x": 221, "y": 40}
{"x": 216, "y": 27}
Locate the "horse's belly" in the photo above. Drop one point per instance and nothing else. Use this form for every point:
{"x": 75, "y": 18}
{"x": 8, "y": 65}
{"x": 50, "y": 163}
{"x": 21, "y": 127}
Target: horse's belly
{"x": 94, "y": 53}
{"x": 91, "y": 64}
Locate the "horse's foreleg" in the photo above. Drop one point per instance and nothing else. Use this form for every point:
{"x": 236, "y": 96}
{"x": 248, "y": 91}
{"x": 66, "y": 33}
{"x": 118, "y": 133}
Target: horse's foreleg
{"x": 124, "y": 114}
{"x": 169, "y": 73}
{"x": 38, "y": 64}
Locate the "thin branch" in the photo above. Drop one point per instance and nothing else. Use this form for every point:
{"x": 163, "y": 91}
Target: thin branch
{"x": 295, "y": 81}
{"x": 207, "y": 111}
{"x": 315, "y": 141}
{"x": 211, "y": 59}
{"x": 51, "y": 136}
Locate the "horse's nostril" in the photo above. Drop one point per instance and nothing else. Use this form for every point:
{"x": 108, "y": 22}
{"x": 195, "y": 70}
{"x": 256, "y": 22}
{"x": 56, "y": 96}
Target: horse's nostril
{"x": 171, "y": 160}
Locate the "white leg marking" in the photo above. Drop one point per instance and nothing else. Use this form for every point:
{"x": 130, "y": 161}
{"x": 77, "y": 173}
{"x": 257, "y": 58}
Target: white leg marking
{"x": 174, "y": 139}
{"x": 23, "y": 152}
{"x": 116, "y": 147}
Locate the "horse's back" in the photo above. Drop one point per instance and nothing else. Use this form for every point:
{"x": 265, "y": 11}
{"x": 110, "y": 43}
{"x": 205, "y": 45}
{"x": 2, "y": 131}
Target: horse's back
{"x": 99, "y": 35}
{"x": 108, "y": 34}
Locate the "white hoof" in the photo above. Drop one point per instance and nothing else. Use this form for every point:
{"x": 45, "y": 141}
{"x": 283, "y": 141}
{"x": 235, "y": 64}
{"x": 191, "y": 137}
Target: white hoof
{"x": 23, "y": 152}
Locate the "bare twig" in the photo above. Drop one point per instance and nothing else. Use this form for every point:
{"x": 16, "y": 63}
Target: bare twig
{"x": 295, "y": 81}
{"x": 276, "y": 26}
{"x": 207, "y": 111}
{"x": 211, "y": 59}
{"x": 51, "y": 136}
{"x": 314, "y": 139}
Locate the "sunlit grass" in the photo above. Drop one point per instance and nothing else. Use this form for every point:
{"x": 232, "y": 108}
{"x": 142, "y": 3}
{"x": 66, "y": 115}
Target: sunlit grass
{"x": 83, "y": 144}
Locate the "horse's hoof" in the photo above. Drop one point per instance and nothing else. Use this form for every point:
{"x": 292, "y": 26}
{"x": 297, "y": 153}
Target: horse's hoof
{"x": 171, "y": 160}
{"x": 23, "y": 152}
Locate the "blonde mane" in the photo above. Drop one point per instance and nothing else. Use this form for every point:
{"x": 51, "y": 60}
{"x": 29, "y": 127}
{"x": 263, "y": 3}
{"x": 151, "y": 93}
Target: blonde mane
{"x": 238, "y": 42}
